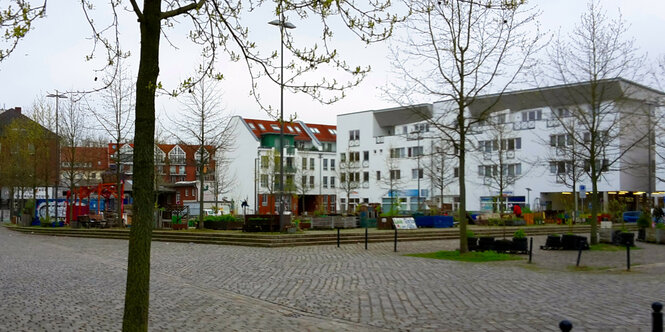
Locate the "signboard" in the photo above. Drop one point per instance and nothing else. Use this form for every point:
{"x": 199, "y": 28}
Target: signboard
{"x": 405, "y": 223}
{"x": 582, "y": 191}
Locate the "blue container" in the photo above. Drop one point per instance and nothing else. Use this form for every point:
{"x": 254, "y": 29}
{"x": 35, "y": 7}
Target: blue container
{"x": 434, "y": 221}
{"x": 631, "y": 216}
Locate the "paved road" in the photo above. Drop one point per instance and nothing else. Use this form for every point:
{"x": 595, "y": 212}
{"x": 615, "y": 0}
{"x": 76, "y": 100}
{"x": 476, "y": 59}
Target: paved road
{"x": 77, "y": 284}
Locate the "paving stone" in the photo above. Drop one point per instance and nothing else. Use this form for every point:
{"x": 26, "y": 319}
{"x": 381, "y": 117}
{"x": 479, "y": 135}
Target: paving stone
{"x": 77, "y": 284}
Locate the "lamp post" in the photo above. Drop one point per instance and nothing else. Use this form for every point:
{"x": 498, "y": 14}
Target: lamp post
{"x": 57, "y": 96}
{"x": 528, "y": 197}
{"x": 282, "y": 24}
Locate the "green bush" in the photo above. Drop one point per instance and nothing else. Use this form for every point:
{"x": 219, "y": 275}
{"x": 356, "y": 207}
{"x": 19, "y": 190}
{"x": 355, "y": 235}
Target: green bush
{"x": 519, "y": 234}
{"x": 644, "y": 220}
{"x": 470, "y": 233}
{"x": 494, "y": 222}
{"x": 222, "y": 218}
{"x": 660, "y": 225}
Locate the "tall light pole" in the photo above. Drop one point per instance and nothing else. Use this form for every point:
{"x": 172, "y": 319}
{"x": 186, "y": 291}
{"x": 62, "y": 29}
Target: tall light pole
{"x": 282, "y": 24}
{"x": 528, "y": 197}
{"x": 57, "y": 146}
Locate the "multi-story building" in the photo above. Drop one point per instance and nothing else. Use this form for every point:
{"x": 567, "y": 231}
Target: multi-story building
{"x": 310, "y": 167}
{"x": 83, "y": 166}
{"x": 176, "y": 172}
{"x": 520, "y": 149}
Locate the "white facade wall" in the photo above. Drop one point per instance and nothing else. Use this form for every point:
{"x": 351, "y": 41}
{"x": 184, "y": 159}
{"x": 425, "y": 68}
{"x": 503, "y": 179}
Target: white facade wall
{"x": 243, "y": 158}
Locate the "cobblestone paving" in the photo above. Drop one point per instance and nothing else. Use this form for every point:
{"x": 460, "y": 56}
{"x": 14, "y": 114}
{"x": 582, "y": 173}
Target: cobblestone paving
{"x": 77, "y": 284}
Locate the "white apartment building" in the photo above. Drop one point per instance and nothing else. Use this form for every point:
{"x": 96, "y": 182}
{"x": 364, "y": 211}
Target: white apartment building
{"x": 520, "y": 150}
{"x": 310, "y": 166}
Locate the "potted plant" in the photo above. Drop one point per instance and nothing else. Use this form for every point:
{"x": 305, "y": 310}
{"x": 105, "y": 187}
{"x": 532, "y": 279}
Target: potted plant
{"x": 520, "y": 243}
{"x": 553, "y": 242}
{"x": 471, "y": 240}
{"x": 643, "y": 222}
{"x": 485, "y": 243}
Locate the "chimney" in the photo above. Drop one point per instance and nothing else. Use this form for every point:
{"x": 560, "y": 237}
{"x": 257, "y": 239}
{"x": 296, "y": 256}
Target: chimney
{"x": 18, "y": 109}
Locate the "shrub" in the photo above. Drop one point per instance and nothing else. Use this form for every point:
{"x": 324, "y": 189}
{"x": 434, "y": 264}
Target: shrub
{"x": 470, "y": 233}
{"x": 660, "y": 225}
{"x": 519, "y": 234}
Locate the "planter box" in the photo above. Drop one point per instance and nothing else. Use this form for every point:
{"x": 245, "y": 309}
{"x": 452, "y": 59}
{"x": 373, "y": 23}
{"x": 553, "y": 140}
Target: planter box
{"x": 660, "y": 236}
{"x": 486, "y": 243}
{"x": 520, "y": 245}
{"x": 650, "y": 235}
{"x": 627, "y": 238}
{"x": 606, "y": 235}
{"x": 472, "y": 243}
{"x": 179, "y": 226}
{"x": 503, "y": 245}
{"x": 305, "y": 225}
{"x": 553, "y": 242}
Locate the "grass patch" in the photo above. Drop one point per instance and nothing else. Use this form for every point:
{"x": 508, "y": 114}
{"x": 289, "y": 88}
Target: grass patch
{"x": 484, "y": 256}
{"x": 610, "y": 247}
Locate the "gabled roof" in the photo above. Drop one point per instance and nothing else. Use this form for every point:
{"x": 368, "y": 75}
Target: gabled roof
{"x": 262, "y": 127}
{"x": 96, "y": 156}
{"x": 323, "y": 133}
{"x": 13, "y": 114}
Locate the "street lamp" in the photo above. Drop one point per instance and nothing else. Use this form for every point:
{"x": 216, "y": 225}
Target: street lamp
{"x": 282, "y": 24}
{"x": 528, "y": 197}
{"x": 57, "y": 145}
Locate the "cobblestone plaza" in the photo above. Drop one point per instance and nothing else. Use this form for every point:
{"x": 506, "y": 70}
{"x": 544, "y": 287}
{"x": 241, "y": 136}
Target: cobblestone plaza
{"x": 77, "y": 284}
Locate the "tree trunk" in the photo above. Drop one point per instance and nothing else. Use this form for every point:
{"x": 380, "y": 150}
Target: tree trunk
{"x": 463, "y": 243}
{"x": 137, "y": 291}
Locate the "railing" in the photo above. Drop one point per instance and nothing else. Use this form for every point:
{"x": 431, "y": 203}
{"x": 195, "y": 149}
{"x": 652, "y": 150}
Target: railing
{"x": 525, "y": 125}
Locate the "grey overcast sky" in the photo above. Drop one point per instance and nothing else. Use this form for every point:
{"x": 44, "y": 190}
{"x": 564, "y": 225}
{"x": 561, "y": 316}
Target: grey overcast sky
{"x": 52, "y": 57}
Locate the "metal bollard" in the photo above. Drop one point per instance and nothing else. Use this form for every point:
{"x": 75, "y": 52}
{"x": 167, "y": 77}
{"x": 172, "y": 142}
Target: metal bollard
{"x": 530, "y": 249}
{"x": 395, "y": 239}
{"x": 338, "y": 237}
{"x": 565, "y": 326}
{"x": 627, "y": 256}
{"x": 365, "y": 238}
{"x": 657, "y": 317}
{"x": 579, "y": 256}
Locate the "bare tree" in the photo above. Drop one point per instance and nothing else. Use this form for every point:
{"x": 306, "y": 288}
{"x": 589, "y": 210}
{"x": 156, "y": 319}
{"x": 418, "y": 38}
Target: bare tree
{"x": 392, "y": 178}
{"x": 595, "y": 52}
{"x": 440, "y": 170}
{"x": 72, "y": 131}
{"x": 302, "y": 187}
{"x": 218, "y": 27}
{"x": 458, "y": 50}
{"x": 349, "y": 175}
{"x": 499, "y": 166}
{"x": 204, "y": 123}
{"x": 114, "y": 114}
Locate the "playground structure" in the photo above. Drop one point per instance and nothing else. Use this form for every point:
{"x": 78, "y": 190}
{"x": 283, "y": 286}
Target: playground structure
{"x": 86, "y": 207}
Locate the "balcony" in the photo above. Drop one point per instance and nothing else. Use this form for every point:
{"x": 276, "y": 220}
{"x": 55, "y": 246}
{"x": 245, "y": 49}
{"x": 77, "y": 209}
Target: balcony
{"x": 524, "y": 125}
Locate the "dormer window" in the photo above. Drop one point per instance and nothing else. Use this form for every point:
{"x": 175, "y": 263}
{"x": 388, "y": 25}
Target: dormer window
{"x": 332, "y": 131}
{"x": 274, "y": 126}
{"x": 298, "y": 129}
{"x": 316, "y": 130}
{"x": 261, "y": 126}
{"x": 251, "y": 125}
{"x": 290, "y": 128}
{"x": 177, "y": 155}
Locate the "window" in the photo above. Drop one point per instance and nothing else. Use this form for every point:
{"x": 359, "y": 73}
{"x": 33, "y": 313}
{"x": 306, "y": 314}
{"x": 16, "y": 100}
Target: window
{"x": 354, "y": 135}
{"x": 264, "y": 200}
{"x": 332, "y": 182}
{"x": 415, "y": 151}
{"x": 332, "y": 131}
{"x": 261, "y": 126}
{"x": 311, "y": 181}
{"x": 378, "y": 175}
{"x": 395, "y": 174}
{"x": 342, "y": 178}
{"x": 342, "y": 157}
{"x": 311, "y": 163}
{"x": 177, "y": 155}
{"x": 421, "y": 127}
{"x": 325, "y": 182}
{"x": 332, "y": 164}
{"x": 298, "y": 129}
{"x": 251, "y": 125}
{"x": 304, "y": 163}
{"x": 325, "y": 164}
{"x": 561, "y": 140}
{"x": 274, "y": 127}
{"x": 456, "y": 172}
{"x": 562, "y": 112}
{"x": 172, "y": 170}
{"x": 605, "y": 165}
{"x": 315, "y": 130}
{"x": 289, "y": 161}
{"x": 559, "y": 167}
{"x": 265, "y": 162}
{"x": 417, "y": 173}
{"x": 365, "y": 176}
{"x": 290, "y": 128}
{"x": 397, "y": 153}
{"x": 182, "y": 170}
{"x": 532, "y": 115}
{"x": 304, "y": 181}
{"x": 365, "y": 155}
